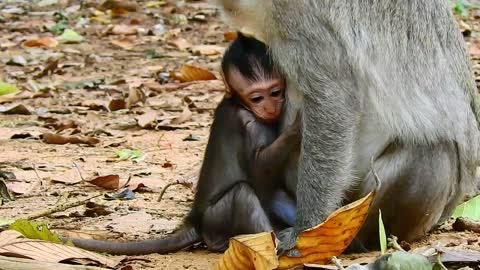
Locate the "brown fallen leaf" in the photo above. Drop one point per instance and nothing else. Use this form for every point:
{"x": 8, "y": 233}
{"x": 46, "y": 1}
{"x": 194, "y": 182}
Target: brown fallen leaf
{"x": 60, "y": 125}
{"x": 13, "y": 244}
{"x": 182, "y": 118}
{"x": 207, "y": 50}
{"x": 44, "y": 42}
{"x": 188, "y": 73}
{"x": 135, "y": 95}
{"x": 15, "y": 109}
{"x": 119, "y": 5}
{"x": 69, "y": 177}
{"x": 51, "y": 138}
{"x": 180, "y": 43}
{"x": 157, "y": 87}
{"x": 117, "y": 104}
{"x": 148, "y": 119}
{"x": 123, "y": 43}
{"x": 251, "y": 251}
{"x": 124, "y": 29}
{"x": 316, "y": 245}
{"x": 111, "y": 181}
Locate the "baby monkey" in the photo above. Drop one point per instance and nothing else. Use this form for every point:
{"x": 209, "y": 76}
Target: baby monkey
{"x": 241, "y": 184}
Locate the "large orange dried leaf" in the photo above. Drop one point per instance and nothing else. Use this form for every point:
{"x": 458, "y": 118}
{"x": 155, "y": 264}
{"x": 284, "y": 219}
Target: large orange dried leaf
{"x": 190, "y": 73}
{"x": 250, "y": 251}
{"x": 316, "y": 245}
{"x": 320, "y": 243}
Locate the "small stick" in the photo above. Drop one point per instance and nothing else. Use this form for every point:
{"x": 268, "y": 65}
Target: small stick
{"x": 61, "y": 208}
{"x": 188, "y": 185}
{"x": 79, "y": 171}
{"x": 337, "y": 263}
{"x": 126, "y": 183}
{"x": 36, "y": 184}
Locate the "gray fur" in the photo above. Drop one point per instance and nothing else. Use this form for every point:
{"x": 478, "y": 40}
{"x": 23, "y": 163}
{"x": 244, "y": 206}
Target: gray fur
{"x": 373, "y": 74}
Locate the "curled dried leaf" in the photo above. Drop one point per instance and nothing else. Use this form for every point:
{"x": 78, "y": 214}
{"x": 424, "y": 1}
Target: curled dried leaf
{"x": 111, "y": 181}
{"x": 250, "y": 251}
{"x": 330, "y": 238}
{"x": 51, "y": 138}
{"x": 190, "y": 73}
{"x": 45, "y": 42}
{"x": 316, "y": 245}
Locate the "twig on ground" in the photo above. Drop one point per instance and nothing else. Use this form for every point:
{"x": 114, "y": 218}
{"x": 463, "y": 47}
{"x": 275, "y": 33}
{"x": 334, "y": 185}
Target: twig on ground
{"x": 178, "y": 182}
{"x": 128, "y": 181}
{"x": 62, "y": 207}
{"x": 79, "y": 171}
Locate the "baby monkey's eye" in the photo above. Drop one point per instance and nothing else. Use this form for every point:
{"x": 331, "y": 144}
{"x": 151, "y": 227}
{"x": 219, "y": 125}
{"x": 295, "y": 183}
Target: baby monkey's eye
{"x": 276, "y": 92}
{"x": 256, "y": 99}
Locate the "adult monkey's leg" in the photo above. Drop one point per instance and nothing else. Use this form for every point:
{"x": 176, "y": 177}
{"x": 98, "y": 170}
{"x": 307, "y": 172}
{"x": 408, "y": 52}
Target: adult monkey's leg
{"x": 420, "y": 186}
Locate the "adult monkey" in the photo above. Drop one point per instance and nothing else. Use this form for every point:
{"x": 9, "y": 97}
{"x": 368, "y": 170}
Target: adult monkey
{"x": 388, "y": 80}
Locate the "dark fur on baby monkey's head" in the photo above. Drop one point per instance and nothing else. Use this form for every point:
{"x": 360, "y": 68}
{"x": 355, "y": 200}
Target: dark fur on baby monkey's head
{"x": 250, "y": 76}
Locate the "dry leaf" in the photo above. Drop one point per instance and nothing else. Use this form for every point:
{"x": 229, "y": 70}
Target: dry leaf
{"x": 69, "y": 177}
{"x": 148, "y": 119}
{"x": 135, "y": 95}
{"x": 157, "y": 87}
{"x": 117, "y": 104}
{"x": 60, "y": 125}
{"x": 51, "y": 138}
{"x": 320, "y": 243}
{"x": 119, "y": 5}
{"x": 317, "y": 245}
{"x": 123, "y": 29}
{"x": 184, "y": 117}
{"x": 180, "y": 43}
{"x": 124, "y": 43}
{"x": 251, "y": 251}
{"x": 15, "y": 109}
{"x": 207, "y": 50}
{"x": 190, "y": 73}
{"x": 13, "y": 244}
{"x": 45, "y": 42}
{"x": 111, "y": 181}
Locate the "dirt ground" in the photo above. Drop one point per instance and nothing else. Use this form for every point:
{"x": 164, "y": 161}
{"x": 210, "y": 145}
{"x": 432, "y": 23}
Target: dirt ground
{"x": 117, "y": 86}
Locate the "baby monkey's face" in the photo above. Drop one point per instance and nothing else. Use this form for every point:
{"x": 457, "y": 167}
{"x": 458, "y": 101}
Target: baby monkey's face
{"x": 264, "y": 96}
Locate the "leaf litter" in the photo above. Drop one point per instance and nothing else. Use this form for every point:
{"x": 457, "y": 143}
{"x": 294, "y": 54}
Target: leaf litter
{"x": 102, "y": 75}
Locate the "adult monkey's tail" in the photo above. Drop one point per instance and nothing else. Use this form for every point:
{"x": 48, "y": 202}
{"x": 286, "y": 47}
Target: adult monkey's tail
{"x": 183, "y": 238}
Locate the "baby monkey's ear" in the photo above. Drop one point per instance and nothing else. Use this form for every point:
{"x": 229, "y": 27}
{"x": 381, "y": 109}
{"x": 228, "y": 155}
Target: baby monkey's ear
{"x": 228, "y": 90}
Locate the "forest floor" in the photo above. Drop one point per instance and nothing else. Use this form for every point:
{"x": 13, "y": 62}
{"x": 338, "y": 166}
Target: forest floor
{"x": 116, "y": 88}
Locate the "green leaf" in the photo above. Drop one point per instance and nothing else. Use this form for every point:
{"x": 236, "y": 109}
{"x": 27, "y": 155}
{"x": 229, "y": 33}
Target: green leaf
{"x": 6, "y": 88}
{"x": 469, "y": 209}
{"x": 382, "y": 234}
{"x": 70, "y": 36}
{"x": 401, "y": 260}
{"x": 125, "y": 154}
{"x": 152, "y": 54}
{"x": 35, "y": 230}
{"x": 57, "y": 28}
